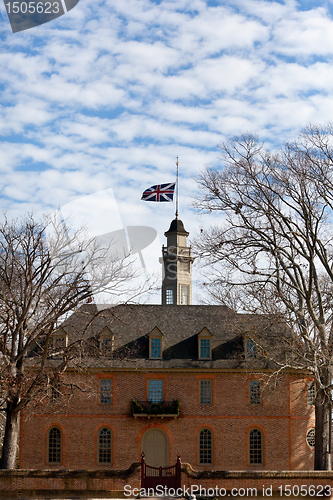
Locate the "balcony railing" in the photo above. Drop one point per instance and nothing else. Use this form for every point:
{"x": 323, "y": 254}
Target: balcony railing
{"x": 176, "y": 251}
{"x": 150, "y": 409}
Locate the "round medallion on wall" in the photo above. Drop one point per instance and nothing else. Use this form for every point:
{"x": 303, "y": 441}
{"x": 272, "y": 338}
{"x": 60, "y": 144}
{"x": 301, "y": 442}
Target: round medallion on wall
{"x": 310, "y": 438}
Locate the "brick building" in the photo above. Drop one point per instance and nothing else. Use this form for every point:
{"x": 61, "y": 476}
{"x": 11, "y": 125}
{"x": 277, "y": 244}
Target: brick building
{"x": 170, "y": 379}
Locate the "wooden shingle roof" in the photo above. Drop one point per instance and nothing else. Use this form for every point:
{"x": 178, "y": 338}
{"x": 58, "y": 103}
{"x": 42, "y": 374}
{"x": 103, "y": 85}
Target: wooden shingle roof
{"x": 180, "y": 326}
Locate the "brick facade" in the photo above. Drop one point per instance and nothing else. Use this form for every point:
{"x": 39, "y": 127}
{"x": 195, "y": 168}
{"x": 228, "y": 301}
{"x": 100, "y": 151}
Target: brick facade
{"x": 203, "y": 357}
{"x": 284, "y": 419}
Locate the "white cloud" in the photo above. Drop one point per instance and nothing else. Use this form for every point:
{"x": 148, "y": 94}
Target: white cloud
{"x": 306, "y": 33}
{"x": 107, "y": 95}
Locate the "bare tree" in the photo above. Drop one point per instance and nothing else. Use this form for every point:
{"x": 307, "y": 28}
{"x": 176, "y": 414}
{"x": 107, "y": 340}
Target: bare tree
{"x": 46, "y": 272}
{"x": 272, "y": 253}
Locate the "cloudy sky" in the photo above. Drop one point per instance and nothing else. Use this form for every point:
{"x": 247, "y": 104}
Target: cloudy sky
{"x": 106, "y": 96}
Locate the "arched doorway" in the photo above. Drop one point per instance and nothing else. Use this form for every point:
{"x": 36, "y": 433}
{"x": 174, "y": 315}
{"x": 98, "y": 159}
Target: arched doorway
{"x": 155, "y": 445}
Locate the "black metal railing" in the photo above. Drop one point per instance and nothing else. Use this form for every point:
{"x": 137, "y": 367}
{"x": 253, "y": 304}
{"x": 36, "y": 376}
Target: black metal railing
{"x": 155, "y": 407}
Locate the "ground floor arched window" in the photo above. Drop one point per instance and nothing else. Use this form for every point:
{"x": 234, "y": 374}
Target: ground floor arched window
{"x": 54, "y": 451}
{"x": 255, "y": 447}
{"x": 104, "y": 446}
{"x": 205, "y": 446}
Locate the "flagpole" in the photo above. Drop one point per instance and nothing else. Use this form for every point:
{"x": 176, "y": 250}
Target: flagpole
{"x": 177, "y": 163}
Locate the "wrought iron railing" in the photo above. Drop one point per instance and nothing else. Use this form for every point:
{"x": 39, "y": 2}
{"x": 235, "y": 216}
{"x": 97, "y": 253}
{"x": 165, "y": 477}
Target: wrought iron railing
{"x": 151, "y": 477}
{"x": 155, "y": 408}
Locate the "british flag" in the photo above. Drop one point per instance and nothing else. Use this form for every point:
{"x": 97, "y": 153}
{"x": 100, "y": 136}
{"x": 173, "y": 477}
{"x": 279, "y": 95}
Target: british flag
{"x": 161, "y": 192}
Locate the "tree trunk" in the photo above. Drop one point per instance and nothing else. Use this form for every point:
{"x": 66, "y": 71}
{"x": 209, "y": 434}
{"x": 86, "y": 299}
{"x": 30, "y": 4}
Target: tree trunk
{"x": 9, "y": 449}
{"x": 322, "y": 408}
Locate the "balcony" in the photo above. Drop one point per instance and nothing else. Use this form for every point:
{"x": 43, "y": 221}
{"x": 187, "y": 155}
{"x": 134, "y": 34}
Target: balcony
{"x": 177, "y": 252}
{"x": 161, "y": 409}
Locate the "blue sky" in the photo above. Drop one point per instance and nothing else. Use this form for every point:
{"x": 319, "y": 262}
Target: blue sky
{"x": 106, "y": 96}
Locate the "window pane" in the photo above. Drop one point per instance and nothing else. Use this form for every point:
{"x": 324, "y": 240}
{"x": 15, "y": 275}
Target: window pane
{"x": 104, "y": 446}
{"x": 255, "y": 392}
{"x": 184, "y": 267}
{"x": 106, "y": 345}
{"x": 250, "y": 348}
{"x": 56, "y": 390}
{"x": 205, "y": 392}
{"x": 54, "y": 445}
{"x": 169, "y": 296}
{"x": 59, "y": 342}
{"x": 155, "y": 391}
{"x": 255, "y": 447}
{"x": 106, "y": 391}
{"x": 205, "y": 447}
{"x": 311, "y": 394}
{"x": 205, "y": 348}
{"x": 155, "y": 348}
{"x": 184, "y": 295}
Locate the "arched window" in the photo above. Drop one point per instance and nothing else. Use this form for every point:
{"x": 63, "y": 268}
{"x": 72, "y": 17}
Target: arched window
{"x": 205, "y": 447}
{"x": 54, "y": 453}
{"x": 104, "y": 446}
{"x": 255, "y": 447}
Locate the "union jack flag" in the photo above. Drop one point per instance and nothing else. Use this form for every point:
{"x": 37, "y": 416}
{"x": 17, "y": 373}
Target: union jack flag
{"x": 161, "y": 192}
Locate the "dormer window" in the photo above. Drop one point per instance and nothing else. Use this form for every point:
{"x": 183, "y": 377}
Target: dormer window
{"x": 250, "y": 349}
{"x": 106, "y": 342}
{"x": 155, "y": 344}
{"x": 204, "y": 348}
{"x": 155, "y": 348}
{"x": 205, "y": 344}
{"x": 60, "y": 341}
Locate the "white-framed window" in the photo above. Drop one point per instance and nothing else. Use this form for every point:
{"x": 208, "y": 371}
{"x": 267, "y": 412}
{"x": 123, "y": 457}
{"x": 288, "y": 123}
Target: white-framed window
{"x": 184, "y": 295}
{"x": 255, "y": 392}
{"x": 205, "y": 392}
{"x": 204, "y": 348}
{"x": 155, "y": 390}
{"x": 105, "y": 391}
{"x": 60, "y": 342}
{"x": 155, "y": 347}
{"x": 184, "y": 267}
{"x": 169, "y": 296}
{"x": 56, "y": 390}
{"x": 255, "y": 447}
{"x": 54, "y": 442}
{"x": 155, "y": 344}
{"x": 311, "y": 394}
{"x": 105, "y": 446}
{"x": 204, "y": 344}
{"x": 106, "y": 342}
{"x": 250, "y": 348}
{"x": 205, "y": 447}
{"x": 311, "y": 438}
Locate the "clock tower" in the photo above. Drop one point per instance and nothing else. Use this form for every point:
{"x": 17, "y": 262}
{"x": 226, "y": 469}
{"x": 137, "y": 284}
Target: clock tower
{"x": 177, "y": 266}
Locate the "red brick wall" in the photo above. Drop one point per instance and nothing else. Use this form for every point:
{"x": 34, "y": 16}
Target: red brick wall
{"x": 284, "y": 419}
{"x": 109, "y": 484}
